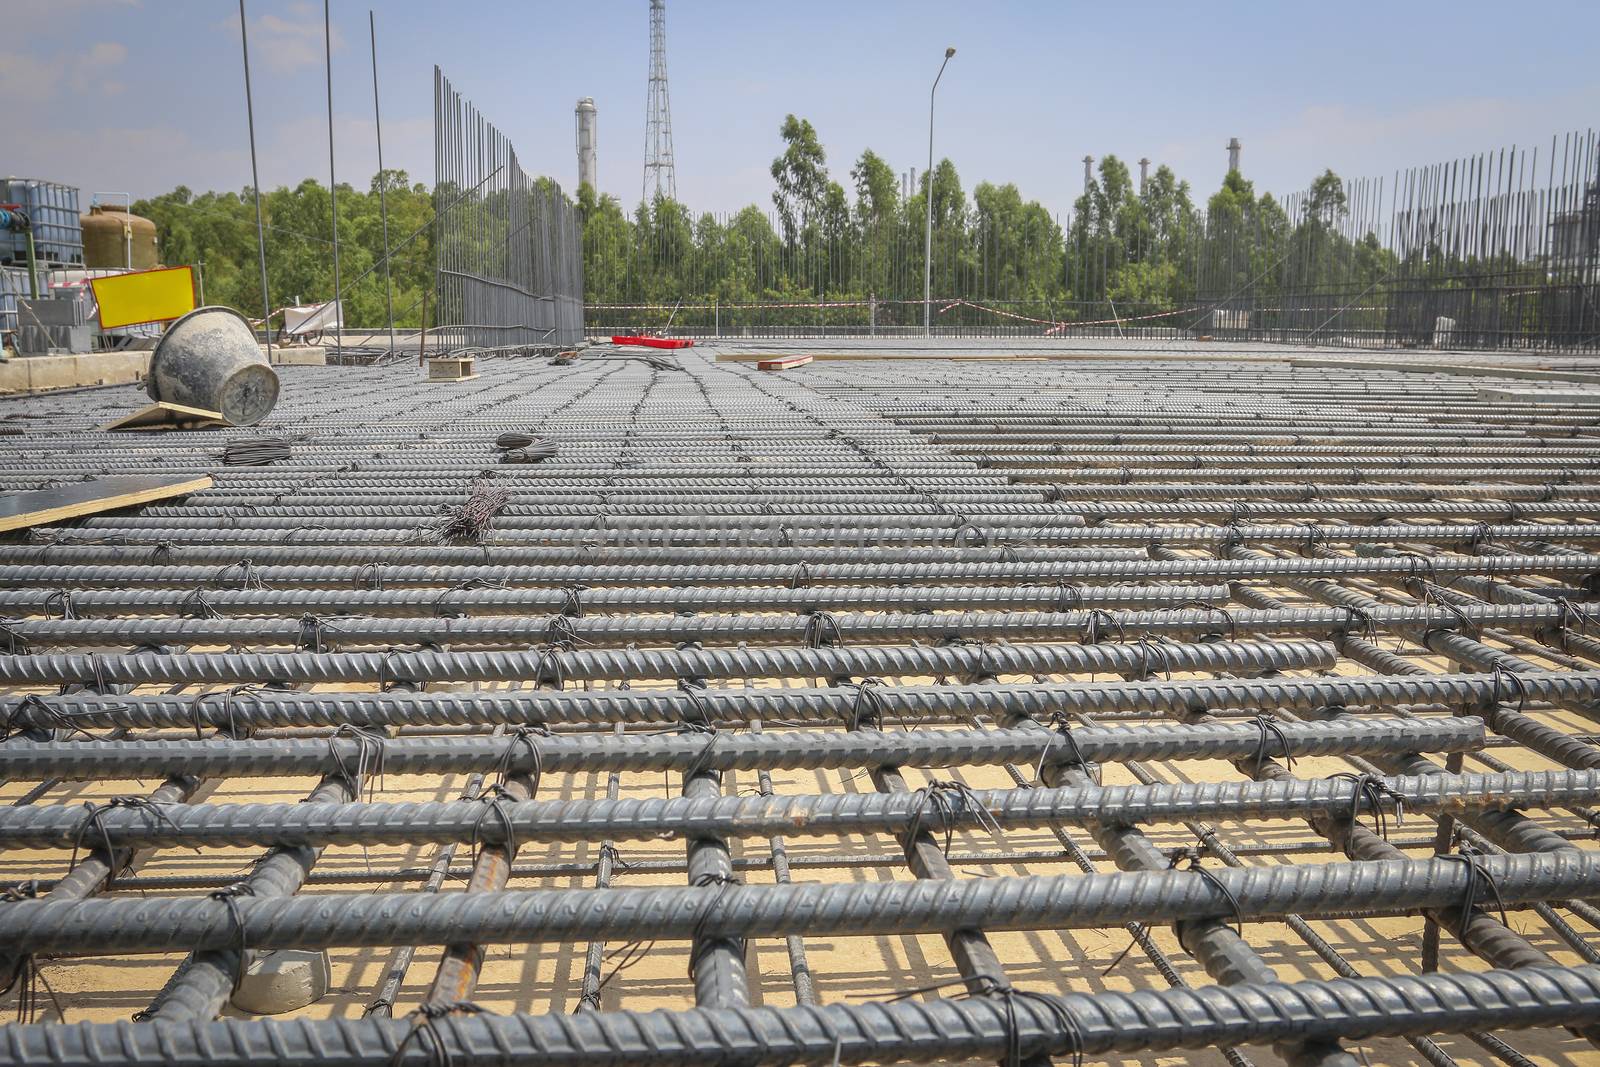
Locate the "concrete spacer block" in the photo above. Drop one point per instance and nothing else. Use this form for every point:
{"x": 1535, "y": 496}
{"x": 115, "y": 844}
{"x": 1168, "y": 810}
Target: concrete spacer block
{"x": 300, "y": 355}
{"x": 276, "y": 982}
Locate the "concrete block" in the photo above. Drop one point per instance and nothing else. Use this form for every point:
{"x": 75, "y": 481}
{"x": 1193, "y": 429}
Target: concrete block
{"x": 276, "y": 982}
{"x": 52, "y": 372}
{"x": 135, "y": 365}
{"x": 110, "y": 368}
{"x": 34, "y": 374}
{"x": 14, "y": 376}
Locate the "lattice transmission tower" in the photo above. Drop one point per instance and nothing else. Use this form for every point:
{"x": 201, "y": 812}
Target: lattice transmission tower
{"x": 660, "y": 177}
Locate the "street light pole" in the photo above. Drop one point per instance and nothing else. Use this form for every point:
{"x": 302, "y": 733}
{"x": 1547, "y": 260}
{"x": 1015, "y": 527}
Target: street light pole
{"x": 927, "y": 244}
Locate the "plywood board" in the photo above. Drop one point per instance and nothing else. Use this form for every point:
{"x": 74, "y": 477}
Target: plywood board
{"x": 162, "y": 415}
{"x": 19, "y": 511}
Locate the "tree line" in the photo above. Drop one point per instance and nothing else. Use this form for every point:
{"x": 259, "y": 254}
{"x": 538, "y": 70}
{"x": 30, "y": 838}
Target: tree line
{"x": 846, "y": 250}
{"x": 1124, "y": 251}
{"x": 216, "y": 234}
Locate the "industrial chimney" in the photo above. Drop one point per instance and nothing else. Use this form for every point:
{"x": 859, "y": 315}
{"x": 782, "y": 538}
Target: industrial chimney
{"x": 1088, "y": 172}
{"x": 1144, "y": 173}
{"x": 588, "y": 165}
{"x": 1233, "y": 153}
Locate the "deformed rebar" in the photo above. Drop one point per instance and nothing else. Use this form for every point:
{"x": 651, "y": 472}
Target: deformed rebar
{"x": 927, "y": 905}
{"x": 939, "y": 1030}
{"x": 792, "y": 814}
{"x": 557, "y": 665}
{"x": 257, "y": 708}
{"x": 88, "y": 760}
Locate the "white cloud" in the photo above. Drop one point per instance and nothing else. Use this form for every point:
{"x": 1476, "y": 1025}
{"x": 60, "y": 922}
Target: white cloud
{"x": 28, "y": 79}
{"x": 107, "y": 52}
{"x": 285, "y": 45}
{"x": 26, "y": 21}
{"x": 37, "y": 79}
{"x": 91, "y": 71}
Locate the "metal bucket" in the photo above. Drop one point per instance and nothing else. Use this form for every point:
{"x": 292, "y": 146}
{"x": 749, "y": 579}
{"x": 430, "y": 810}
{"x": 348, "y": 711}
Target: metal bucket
{"x": 210, "y": 359}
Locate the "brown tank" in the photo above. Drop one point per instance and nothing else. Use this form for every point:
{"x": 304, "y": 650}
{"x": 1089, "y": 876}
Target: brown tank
{"x": 115, "y": 238}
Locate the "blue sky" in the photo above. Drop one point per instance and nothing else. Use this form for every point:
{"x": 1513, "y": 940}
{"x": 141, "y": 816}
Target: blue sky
{"x": 140, "y": 95}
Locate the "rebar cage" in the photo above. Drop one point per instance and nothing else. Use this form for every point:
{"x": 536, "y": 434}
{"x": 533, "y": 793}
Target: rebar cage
{"x": 937, "y": 710}
{"x": 506, "y": 246}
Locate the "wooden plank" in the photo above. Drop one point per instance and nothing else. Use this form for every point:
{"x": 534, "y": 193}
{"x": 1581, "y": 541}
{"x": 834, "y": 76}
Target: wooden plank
{"x": 162, "y": 415}
{"x": 785, "y": 363}
{"x": 19, "y": 511}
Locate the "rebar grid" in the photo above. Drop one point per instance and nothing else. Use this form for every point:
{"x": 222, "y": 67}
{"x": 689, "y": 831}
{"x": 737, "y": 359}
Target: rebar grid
{"x": 769, "y": 699}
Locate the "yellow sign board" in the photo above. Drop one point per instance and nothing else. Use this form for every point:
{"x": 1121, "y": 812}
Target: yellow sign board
{"x": 144, "y": 296}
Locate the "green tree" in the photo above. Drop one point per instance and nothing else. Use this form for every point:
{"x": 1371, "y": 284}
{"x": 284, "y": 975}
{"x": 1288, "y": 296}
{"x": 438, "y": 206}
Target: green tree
{"x": 801, "y": 175}
{"x": 1327, "y": 202}
{"x": 878, "y": 220}
{"x": 607, "y": 253}
{"x": 216, "y": 234}
{"x": 877, "y": 190}
{"x": 1017, "y": 246}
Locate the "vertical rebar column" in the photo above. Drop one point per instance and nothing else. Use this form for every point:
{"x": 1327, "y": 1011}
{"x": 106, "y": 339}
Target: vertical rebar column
{"x": 333, "y": 184}
{"x": 383, "y": 181}
{"x": 255, "y": 183}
